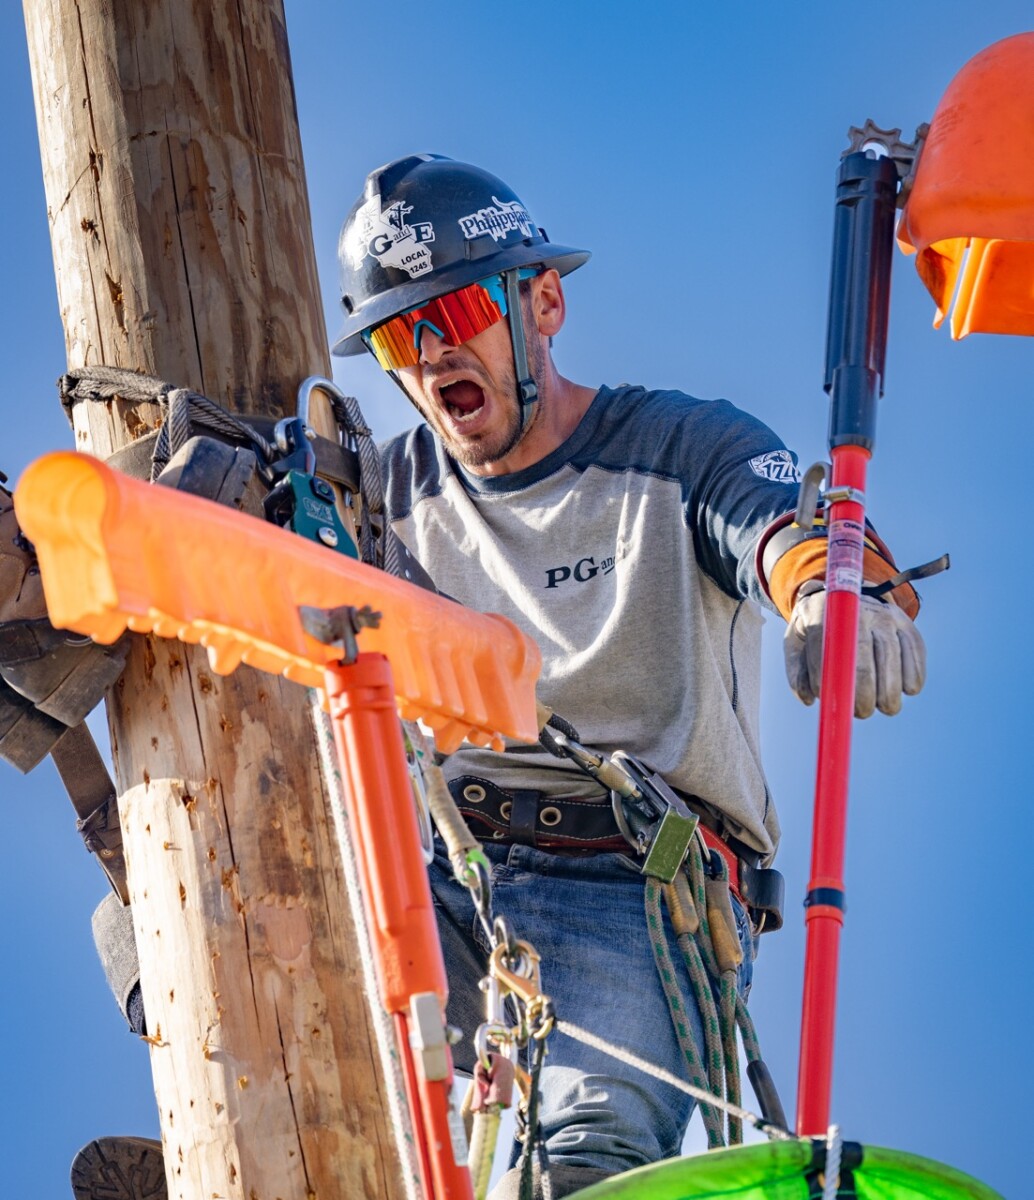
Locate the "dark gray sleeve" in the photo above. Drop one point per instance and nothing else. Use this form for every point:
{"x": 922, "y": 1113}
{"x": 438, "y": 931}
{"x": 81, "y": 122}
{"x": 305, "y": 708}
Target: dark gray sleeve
{"x": 742, "y": 477}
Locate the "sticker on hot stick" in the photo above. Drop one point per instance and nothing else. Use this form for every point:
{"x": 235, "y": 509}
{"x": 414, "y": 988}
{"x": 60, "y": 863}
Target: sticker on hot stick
{"x": 846, "y": 550}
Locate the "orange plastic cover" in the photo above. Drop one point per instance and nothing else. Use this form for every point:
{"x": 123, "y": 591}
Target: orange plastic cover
{"x": 117, "y": 553}
{"x": 970, "y": 214}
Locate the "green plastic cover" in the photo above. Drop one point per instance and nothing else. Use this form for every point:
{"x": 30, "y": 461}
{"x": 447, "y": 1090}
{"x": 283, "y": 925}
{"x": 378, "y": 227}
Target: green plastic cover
{"x": 895, "y": 1175}
{"x": 778, "y": 1171}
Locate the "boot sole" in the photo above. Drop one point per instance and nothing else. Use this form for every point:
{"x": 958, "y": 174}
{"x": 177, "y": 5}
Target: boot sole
{"x": 119, "y": 1168}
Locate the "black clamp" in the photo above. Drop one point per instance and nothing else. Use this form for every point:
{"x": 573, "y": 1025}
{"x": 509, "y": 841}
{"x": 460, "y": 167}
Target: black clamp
{"x": 339, "y": 626}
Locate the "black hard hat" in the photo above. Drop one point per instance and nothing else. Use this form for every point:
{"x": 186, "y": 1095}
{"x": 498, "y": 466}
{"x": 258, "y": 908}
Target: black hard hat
{"x": 426, "y": 225}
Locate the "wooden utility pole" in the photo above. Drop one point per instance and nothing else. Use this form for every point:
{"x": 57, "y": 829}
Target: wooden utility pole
{"x": 182, "y": 248}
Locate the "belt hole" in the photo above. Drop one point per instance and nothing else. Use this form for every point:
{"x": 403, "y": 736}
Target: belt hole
{"x": 497, "y": 833}
{"x": 505, "y": 809}
{"x": 474, "y": 792}
{"x": 551, "y": 816}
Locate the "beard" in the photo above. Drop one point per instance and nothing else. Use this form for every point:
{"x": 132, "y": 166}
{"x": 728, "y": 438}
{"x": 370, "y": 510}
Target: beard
{"x": 487, "y": 447}
{"x": 491, "y": 446}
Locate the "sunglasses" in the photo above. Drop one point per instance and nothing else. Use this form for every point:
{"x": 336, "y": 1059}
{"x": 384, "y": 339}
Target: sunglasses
{"x": 455, "y": 318}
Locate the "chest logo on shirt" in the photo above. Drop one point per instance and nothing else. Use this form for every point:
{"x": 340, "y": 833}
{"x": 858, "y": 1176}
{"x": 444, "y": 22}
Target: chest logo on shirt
{"x": 580, "y": 572}
{"x": 777, "y": 465}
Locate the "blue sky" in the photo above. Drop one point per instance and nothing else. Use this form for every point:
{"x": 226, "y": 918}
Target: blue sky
{"x": 693, "y": 148}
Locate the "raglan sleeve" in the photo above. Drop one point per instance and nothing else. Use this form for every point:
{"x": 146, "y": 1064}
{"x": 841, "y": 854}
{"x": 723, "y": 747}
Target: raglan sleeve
{"x": 742, "y": 481}
{"x": 741, "y": 509}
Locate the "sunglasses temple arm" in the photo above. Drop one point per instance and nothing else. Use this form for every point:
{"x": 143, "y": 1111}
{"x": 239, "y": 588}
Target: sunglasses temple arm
{"x": 527, "y": 392}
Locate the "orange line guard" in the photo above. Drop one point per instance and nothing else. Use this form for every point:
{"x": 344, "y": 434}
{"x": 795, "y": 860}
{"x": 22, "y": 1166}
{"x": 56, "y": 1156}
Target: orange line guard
{"x": 115, "y": 553}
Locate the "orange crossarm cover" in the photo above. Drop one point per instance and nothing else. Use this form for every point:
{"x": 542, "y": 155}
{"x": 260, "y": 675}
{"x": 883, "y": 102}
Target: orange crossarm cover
{"x": 115, "y": 553}
{"x": 970, "y": 214}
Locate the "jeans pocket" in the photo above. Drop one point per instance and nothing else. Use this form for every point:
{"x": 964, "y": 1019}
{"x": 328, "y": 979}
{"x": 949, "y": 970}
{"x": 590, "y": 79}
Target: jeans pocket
{"x": 745, "y": 932}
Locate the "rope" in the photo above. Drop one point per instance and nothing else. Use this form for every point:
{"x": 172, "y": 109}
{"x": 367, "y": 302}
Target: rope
{"x": 831, "y": 1174}
{"x": 483, "y": 1138}
{"x": 712, "y": 975}
{"x": 702, "y": 967}
{"x": 666, "y": 971}
{"x": 664, "y": 1076}
{"x": 700, "y": 963}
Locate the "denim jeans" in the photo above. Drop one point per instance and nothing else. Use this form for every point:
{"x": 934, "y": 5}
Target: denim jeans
{"x": 585, "y": 917}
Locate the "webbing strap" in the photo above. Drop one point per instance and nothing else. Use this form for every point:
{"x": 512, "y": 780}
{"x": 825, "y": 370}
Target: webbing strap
{"x": 95, "y": 800}
{"x": 527, "y": 392}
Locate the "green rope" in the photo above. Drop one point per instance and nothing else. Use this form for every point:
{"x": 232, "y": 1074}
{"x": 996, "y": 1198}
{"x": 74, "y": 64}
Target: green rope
{"x": 748, "y": 1034}
{"x": 708, "y": 1012}
{"x": 687, "y": 1044}
{"x": 725, "y": 983}
{"x": 722, "y": 1010}
{"x": 704, "y": 974}
{"x": 732, "y": 1062}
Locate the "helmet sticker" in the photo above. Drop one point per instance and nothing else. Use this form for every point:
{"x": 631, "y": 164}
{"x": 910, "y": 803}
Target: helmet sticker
{"x": 389, "y": 238}
{"x": 777, "y": 465}
{"x": 500, "y": 218}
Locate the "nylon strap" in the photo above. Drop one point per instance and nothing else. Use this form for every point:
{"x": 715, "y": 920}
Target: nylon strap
{"x": 527, "y": 392}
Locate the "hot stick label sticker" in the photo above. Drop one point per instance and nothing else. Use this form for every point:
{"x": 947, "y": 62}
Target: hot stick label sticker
{"x": 390, "y": 238}
{"x": 846, "y": 551}
{"x": 500, "y": 218}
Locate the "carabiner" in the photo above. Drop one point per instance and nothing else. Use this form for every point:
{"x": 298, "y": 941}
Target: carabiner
{"x": 524, "y": 986}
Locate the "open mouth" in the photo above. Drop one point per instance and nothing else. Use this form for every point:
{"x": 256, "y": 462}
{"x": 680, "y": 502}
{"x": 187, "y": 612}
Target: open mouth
{"x": 463, "y": 399}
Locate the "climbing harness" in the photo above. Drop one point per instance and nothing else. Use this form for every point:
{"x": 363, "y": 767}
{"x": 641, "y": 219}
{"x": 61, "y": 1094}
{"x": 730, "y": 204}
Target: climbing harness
{"x": 658, "y": 824}
{"x": 693, "y": 871}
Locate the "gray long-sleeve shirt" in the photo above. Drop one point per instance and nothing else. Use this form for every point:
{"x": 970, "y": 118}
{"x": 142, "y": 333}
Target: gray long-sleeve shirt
{"x": 628, "y": 554}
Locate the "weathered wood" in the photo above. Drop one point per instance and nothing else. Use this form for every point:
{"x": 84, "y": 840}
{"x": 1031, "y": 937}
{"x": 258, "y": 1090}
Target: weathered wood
{"x": 182, "y": 248}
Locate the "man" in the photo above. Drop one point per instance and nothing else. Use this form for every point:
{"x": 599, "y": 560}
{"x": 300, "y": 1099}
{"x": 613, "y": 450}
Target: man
{"x": 634, "y": 535}
{"x": 623, "y": 530}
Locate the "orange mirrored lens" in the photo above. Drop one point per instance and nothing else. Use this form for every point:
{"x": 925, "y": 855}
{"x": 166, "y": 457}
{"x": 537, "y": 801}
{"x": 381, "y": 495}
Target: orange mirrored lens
{"x": 458, "y": 317}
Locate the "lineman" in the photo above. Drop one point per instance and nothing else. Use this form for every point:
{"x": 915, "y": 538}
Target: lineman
{"x": 636, "y": 536}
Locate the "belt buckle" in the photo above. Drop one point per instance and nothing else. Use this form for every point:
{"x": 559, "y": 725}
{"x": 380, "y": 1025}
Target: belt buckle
{"x": 657, "y": 824}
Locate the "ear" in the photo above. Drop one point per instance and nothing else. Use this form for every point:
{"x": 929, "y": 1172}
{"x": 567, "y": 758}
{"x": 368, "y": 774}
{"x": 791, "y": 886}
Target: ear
{"x": 548, "y": 304}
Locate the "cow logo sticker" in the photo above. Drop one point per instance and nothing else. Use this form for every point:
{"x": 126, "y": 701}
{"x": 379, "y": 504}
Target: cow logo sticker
{"x": 777, "y": 465}
{"x": 391, "y": 238}
{"x": 500, "y": 218}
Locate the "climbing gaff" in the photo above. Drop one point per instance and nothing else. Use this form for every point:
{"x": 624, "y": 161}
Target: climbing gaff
{"x": 969, "y": 216}
{"x": 855, "y": 354}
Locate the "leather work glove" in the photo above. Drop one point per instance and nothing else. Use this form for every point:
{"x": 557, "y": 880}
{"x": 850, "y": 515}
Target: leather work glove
{"x": 891, "y": 653}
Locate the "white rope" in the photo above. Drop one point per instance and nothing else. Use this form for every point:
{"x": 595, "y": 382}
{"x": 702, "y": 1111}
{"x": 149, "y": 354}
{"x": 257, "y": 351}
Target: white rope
{"x": 665, "y": 1076}
{"x": 831, "y": 1174}
{"x": 384, "y": 1032}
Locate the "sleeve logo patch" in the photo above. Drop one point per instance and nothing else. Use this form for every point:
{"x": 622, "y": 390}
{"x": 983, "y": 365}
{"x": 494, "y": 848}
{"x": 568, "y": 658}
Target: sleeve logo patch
{"x": 390, "y": 238}
{"x": 777, "y": 465}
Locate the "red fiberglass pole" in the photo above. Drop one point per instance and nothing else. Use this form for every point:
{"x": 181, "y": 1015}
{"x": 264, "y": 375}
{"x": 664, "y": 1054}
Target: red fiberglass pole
{"x": 855, "y": 354}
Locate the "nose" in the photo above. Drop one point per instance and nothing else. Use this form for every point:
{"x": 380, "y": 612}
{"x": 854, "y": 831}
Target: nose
{"x": 432, "y": 345}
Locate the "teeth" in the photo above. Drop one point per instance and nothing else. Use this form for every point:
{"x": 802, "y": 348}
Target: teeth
{"x": 459, "y": 415}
